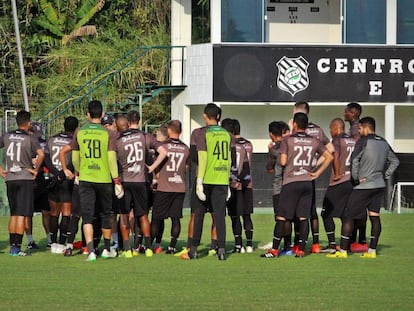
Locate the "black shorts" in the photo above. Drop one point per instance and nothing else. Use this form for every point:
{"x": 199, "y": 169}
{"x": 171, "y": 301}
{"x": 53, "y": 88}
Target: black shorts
{"x": 335, "y": 200}
{"x": 41, "y": 197}
{"x": 314, "y": 214}
{"x": 168, "y": 204}
{"x": 136, "y": 194}
{"x": 276, "y": 198}
{"x": 296, "y": 200}
{"x": 20, "y": 196}
{"x": 240, "y": 202}
{"x": 361, "y": 200}
{"x": 62, "y": 192}
{"x": 95, "y": 200}
{"x": 196, "y": 203}
{"x": 76, "y": 208}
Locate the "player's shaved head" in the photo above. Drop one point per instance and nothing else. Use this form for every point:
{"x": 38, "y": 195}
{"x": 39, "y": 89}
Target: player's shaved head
{"x": 121, "y": 123}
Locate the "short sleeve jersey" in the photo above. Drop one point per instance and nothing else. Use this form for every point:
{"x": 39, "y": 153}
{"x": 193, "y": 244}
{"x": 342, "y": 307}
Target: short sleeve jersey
{"x": 344, "y": 146}
{"x": 93, "y": 142}
{"x": 316, "y": 131}
{"x": 20, "y": 148}
{"x": 244, "y": 153}
{"x": 133, "y": 147}
{"x": 172, "y": 175}
{"x": 300, "y": 149}
{"x": 53, "y": 147}
{"x": 273, "y": 163}
{"x": 217, "y": 142}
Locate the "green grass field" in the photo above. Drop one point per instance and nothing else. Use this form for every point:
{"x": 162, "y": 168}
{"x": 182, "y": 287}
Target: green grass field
{"x": 47, "y": 281}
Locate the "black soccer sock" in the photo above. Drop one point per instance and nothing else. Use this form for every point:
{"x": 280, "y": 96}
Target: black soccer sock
{"x": 375, "y": 231}
{"x": 155, "y": 227}
{"x": 175, "y": 231}
{"x": 147, "y": 241}
{"x": 11, "y": 237}
{"x": 303, "y": 233}
{"x": 315, "y": 230}
{"x": 90, "y": 247}
{"x": 107, "y": 244}
{"x": 73, "y": 228}
{"x": 237, "y": 230}
{"x": 329, "y": 225}
{"x": 296, "y": 229}
{"x": 362, "y": 230}
{"x": 63, "y": 228}
{"x": 248, "y": 229}
{"x": 53, "y": 228}
{"x": 18, "y": 240}
{"x": 125, "y": 245}
{"x": 287, "y": 235}
{"x": 346, "y": 231}
{"x": 354, "y": 234}
{"x": 158, "y": 237}
{"x": 213, "y": 244}
{"x": 278, "y": 233}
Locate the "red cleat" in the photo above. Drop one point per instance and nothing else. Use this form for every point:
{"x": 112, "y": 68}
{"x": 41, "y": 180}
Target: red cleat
{"x": 158, "y": 250}
{"x": 316, "y": 248}
{"x": 358, "y": 248}
{"x": 295, "y": 248}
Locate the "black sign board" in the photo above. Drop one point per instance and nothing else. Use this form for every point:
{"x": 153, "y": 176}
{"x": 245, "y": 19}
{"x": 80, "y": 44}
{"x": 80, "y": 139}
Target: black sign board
{"x": 272, "y": 73}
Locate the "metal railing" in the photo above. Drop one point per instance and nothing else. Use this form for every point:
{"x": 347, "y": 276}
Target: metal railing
{"x": 138, "y": 94}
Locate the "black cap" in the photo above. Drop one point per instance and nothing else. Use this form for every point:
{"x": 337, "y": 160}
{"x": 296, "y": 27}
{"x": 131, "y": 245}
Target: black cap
{"x": 107, "y": 120}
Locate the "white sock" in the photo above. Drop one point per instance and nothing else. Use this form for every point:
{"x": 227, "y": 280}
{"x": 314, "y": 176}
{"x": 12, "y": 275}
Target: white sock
{"x": 29, "y": 238}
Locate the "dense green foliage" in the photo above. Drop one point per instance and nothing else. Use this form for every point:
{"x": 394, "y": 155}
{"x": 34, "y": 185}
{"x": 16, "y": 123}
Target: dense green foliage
{"x": 66, "y": 43}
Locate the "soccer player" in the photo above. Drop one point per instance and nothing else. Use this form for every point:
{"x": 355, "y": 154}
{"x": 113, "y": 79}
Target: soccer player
{"x": 340, "y": 187}
{"x": 315, "y": 131}
{"x": 19, "y": 174}
{"x": 240, "y": 204}
{"x": 373, "y": 160}
{"x": 94, "y": 157}
{"x": 278, "y": 130}
{"x": 352, "y": 114}
{"x": 169, "y": 197}
{"x": 297, "y": 153}
{"x": 214, "y": 166}
{"x": 60, "y": 196}
{"x": 132, "y": 147}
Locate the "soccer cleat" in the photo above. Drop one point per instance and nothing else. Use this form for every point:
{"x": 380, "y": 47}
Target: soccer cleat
{"x": 237, "y": 250}
{"x": 266, "y": 246}
{"x": 286, "y": 252}
{"x": 68, "y": 252}
{"x": 91, "y": 257}
{"x": 189, "y": 256}
{"x": 108, "y": 254}
{"x": 141, "y": 249}
{"x": 316, "y": 248}
{"x": 114, "y": 246}
{"x": 300, "y": 254}
{"x": 170, "y": 250}
{"x": 149, "y": 252}
{"x": 221, "y": 254}
{"x": 17, "y": 252}
{"x": 32, "y": 245}
{"x": 329, "y": 249}
{"x": 127, "y": 254}
{"x": 77, "y": 245}
{"x": 135, "y": 252}
{"x": 84, "y": 251}
{"x": 182, "y": 252}
{"x": 369, "y": 255}
{"x": 249, "y": 249}
{"x": 158, "y": 250}
{"x": 271, "y": 253}
{"x": 338, "y": 254}
{"x": 212, "y": 252}
{"x": 295, "y": 248}
{"x": 358, "y": 248}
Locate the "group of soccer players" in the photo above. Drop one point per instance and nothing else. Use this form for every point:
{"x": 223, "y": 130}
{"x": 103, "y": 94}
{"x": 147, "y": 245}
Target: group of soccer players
{"x": 109, "y": 173}
{"x": 298, "y": 155}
